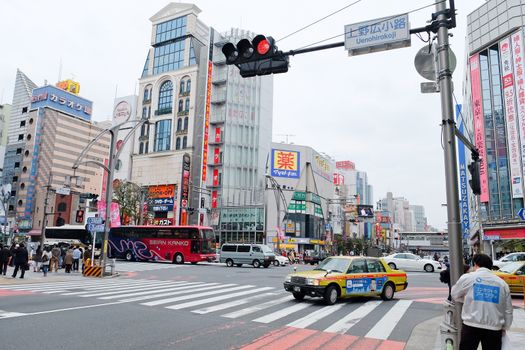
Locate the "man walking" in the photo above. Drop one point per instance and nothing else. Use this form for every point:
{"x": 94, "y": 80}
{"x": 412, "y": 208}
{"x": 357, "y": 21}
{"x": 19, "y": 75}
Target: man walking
{"x": 487, "y": 306}
{"x": 55, "y": 252}
{"x": 5, "y": 256}
{"x": 76, "y": 258}
{"x": 21, "y": 260}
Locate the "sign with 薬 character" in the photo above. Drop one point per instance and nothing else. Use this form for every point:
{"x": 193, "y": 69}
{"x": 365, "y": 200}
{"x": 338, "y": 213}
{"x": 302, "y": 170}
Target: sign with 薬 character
{"x": 286, "y": 164}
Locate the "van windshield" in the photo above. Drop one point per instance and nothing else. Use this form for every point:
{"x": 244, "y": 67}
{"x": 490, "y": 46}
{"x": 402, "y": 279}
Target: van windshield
{"x": 266, "y": 249}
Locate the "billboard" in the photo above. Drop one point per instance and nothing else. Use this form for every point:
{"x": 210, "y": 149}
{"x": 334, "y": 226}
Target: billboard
{"x": 345, "y": 165}
{"x": 62, "y": 101}
{"x": 519, "y": 77}
{"x": 286, "y": 164}
{"x": 161, "y": 191}
{"x": 463, "y": 180}
{"x": 479, "y": 126}
{"x": 365, "y": 211}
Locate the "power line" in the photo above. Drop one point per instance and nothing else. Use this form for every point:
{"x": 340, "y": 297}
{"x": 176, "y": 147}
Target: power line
{"x": 319, "y": 20}
{"x": 378, "y": 22}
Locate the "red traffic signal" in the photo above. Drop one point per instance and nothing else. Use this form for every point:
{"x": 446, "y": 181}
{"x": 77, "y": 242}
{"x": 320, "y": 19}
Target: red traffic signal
{"x": 246, "y": 51}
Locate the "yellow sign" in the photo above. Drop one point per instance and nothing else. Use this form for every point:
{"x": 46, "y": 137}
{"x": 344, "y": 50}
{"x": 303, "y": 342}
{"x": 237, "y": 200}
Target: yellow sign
{"x": 314, "y": 241}
{"x": 70, "y": 86}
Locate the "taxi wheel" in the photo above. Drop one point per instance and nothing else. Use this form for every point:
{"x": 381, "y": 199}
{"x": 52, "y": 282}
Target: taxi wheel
{"x": 392, "y": 266}
{"x": 330, "y": 295}
{"x": 298, "y": 295}
{"x": 388, "y": 292}
{"x": 429, "y": 268}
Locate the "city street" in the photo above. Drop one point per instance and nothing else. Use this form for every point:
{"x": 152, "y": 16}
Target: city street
{"x": 154, "y": 306}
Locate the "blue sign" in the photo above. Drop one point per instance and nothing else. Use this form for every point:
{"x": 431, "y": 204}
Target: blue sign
{"x": 95, "y": 228}
{"x": 521, "y": 214}
{"x": 95, "y": 220}
{"x": 364, "y": 285}
{"x": 486, "y": 293}
{"x": 286, "y": 163}
{"x": 63, "y": 101}
{"x": 161, "y": 201}
{"x": 167, "y": 207}
{"x": 463, "y": 181}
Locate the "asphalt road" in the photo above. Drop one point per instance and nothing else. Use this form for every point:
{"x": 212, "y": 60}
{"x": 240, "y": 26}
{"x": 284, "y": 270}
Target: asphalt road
{"x": 164, "y": 306}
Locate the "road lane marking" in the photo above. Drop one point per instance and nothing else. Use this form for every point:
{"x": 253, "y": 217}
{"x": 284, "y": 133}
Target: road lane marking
{"x": 315, "y": 316}
{"x": 217, "y": 298}
{"x": 230, "y": 304}
{"x": 352, "y": 318}
{"x": 274, "y": 316}
{"x": 388, "y": 322}
{"x": 121, "y": 289}
{"x": 108, "y": 287}
{"x": 180, "y": 286}
{"x": 256, "y": 308}
{"x": 193, "y": 296}
{"x": 182, "y": 290}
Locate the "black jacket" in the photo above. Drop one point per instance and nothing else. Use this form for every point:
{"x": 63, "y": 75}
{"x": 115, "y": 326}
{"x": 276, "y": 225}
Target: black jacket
{"x": 5, "y": 254}
{"x": 22, "y": 256}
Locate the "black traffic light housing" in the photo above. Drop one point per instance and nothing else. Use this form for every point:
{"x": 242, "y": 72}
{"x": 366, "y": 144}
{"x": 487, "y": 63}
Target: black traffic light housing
{"x": 256, "y": 57}
{"x": 475, "y": 182}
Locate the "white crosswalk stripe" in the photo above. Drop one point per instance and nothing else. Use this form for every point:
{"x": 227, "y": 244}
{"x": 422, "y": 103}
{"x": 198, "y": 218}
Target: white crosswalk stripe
{"x": 136, "y": 287}
{"x": 386, "y": 325}
{"x": 315, "y": 316}
{"x": 255, "y": 308}
{"x": 178, "y": 287}
{"x": 230, "y": 304}
{"x": 347, "y": 322}
{"x": 274, "y": 316}
{"x": 124, "y": 266}
{"x": 193, "y": 296}
{"x": 218, "y": 298}
{"x": 190, "y": 289}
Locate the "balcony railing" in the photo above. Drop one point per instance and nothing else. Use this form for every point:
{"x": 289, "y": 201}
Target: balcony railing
{"x": 146, "y": 101}
{"x": 185, "y": 112}
{"x": 163, "y": 111}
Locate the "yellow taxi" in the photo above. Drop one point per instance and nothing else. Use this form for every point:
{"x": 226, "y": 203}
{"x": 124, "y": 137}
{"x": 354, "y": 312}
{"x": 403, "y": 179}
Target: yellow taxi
{"x": 347, "y": 276}
{"x": 513, "y": 274}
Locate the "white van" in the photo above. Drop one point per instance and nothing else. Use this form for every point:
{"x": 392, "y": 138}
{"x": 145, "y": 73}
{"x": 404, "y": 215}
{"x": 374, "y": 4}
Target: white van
{"x": 251, "y": 254}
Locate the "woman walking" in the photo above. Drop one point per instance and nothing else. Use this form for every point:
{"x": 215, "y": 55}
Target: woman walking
{"x": 46, "y": 256}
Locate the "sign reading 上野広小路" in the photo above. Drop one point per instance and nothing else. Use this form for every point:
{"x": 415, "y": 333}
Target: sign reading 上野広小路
{"x": 377, "y": 35}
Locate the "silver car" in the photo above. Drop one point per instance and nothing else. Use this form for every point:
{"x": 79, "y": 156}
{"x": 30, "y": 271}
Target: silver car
{"x": 250, "y": 254}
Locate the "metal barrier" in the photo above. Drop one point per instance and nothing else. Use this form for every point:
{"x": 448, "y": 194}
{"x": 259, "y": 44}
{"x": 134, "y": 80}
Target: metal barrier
{"x": 93, "y": 271}
{"x": 449, "y": 333}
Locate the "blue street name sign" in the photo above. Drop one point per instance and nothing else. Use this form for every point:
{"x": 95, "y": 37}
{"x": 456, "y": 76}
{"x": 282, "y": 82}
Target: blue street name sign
{"x": 95, "y": 220}
{"x": 521, "y": 213}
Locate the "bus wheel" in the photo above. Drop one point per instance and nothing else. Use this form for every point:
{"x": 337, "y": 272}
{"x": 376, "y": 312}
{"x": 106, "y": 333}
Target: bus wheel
{"x": 179, "y": 259}
{"x": 129, "y": 256}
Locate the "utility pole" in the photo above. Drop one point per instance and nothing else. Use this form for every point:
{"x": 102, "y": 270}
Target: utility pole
{"x": 46, "y": 202}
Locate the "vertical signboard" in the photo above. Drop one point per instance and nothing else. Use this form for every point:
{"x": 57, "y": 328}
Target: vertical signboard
{"x": 463, "y": 181}
{"x": 214, "y": 199}
{"x": 185, "y": 189}
{"x": 517, "y": 63}
{"x": 479, "y": 127}
{"x": 207, "y": 110}
{"x": 510, "y": 118}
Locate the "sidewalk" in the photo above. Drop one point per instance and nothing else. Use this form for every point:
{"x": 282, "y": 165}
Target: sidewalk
{"x": 428, "y": 333}
{"x": 38, "y": 277}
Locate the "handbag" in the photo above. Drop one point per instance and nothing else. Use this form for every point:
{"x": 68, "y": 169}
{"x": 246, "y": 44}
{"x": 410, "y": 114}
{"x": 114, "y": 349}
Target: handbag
{"x": 505, "y": 342}
{"x": 26, "y": 266}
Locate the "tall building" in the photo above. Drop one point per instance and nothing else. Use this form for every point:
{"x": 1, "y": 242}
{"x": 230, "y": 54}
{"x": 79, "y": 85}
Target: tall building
{"x": 5, "y": 116}
{"x": 58, "y": 128}
{"x": 205, "y": 147}
{"x": 494, "y": 116}
{"x": 420, "y": 221}
{"x": 16, "y": 139}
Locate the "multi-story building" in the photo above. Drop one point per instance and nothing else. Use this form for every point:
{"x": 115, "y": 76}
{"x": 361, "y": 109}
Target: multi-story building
{"x": 5, "y": 115}
{"x": 209, "y": 129}
{"x": 58, "y": 128}
{"x": 420, "y": 221}
{"x": 494, "y": 116}
{"x": 16, "y": 140}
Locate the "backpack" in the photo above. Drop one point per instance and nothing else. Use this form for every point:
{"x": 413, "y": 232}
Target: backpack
{"x": 45, "y": 258}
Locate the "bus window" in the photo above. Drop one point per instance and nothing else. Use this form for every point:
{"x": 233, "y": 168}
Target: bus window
{"x": 195, "y": 246}
{"x": 164, "y": 234}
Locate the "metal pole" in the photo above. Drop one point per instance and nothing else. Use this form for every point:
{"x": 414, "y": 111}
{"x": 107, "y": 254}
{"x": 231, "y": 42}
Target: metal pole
{"x": 109, "y": 196}
{"x": 278, "y": 228}
{"x": 454, "y": 224}
{"x": 44, "y": 221}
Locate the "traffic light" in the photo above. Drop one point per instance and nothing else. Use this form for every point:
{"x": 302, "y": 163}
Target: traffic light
{"x": 475, "y": 183}
{"x": 257, "y": 57}
{"x": 79, "y": 219}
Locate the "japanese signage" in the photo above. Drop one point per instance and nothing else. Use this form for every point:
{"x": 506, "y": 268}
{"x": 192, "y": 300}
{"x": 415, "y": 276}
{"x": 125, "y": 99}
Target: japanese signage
{"x": 162, "y": 207}
{"x": 185, "y": 187}
{"x": 162, "y": 222}
{"x": 161, "y": 191}
{"x": 121, "y": 113}
{"x": 69, "y": 86}
{"x": 479, "y": 126}
{"x": 517, "y": 60}
{"x": 510, "y": 115}
{"x": 463, "y": 181}
{"x": 214, "y": 199}
{"x": 215, "y": 181}
{"x": 345, "y": 165}
{"x": 377, "y": 35}
{"x": 161, "y": 201}
{"x": 207, "y": 110}
{"x": 286, "y": 164}
{"x": 216, "y": 157}
{"x": 63, "y": 101}
{"x": 339, "y": 179}
{"x": 243, "y": 215}
{"x": 115, "y": 215}
{"x": 322, "y": 167}
{"x": 218, "y": 134}
{"x": 514, "y": 233}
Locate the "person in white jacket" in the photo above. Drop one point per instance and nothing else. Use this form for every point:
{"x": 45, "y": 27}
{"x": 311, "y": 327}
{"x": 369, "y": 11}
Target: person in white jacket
{"x": 487, "y": 306}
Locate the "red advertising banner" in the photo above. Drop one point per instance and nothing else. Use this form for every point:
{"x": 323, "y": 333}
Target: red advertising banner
{"x": 115, "y": 215}
{"x": 519, "y": 78}
{"x": 214, "y": 199}
{"x": 514, "y": 233}
{"x": 218, "y": 134}
{"x": 479, "y": 126}
{"x": 339, "y": 179}
{"x": 215, "y": 177}
{"x": 161, "y": 191}
{"x": 216, "y": 152}
{"x": 206, "y": 123}
{"x": 345, "y": 164}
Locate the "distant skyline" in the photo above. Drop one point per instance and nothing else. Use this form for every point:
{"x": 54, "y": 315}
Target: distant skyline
{"x": 367, "y": 109}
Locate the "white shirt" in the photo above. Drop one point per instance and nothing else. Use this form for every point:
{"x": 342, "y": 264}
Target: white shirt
{"x": 77, "y": 253}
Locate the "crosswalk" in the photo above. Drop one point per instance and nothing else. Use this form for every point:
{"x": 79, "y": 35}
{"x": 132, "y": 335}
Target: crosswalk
{"x": 246, "y": 302}
{"x": 132, "y": 266}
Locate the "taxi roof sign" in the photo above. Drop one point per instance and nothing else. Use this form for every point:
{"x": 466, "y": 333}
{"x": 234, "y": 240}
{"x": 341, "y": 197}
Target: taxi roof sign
{"x": 380, "y": 34}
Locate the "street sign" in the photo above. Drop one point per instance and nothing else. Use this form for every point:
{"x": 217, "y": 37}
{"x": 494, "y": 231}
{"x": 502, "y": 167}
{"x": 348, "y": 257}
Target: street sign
{"x": 65, "y": 191}
{"x": 426, "y": 62}
{"x": 380, "y": 34}
{"x": 521, "y": 213}
{"x": 95, "y": 220}
{"x": 95, "y": 227}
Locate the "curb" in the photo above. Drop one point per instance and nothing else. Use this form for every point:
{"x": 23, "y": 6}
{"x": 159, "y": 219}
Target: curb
{"x": 425, "y": 335}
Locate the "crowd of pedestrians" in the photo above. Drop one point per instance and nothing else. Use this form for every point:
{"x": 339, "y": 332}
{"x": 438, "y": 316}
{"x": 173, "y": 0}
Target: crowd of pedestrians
{"x": 50, "y": 259}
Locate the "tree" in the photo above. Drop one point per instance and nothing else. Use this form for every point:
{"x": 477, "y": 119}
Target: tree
{"x": 130, "y": 198}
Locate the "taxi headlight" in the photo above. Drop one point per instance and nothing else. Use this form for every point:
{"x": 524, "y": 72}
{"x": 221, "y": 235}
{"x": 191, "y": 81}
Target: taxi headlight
{"x": 288, "y": 278}
{"x": 312, "y": 281}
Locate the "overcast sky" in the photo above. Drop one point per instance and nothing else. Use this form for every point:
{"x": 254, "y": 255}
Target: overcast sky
{"x": 367, "y": 109}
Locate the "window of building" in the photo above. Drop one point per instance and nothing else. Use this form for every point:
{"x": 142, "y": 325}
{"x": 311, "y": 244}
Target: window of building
{"x": 61, "y": 207}
{"x": 20, "y": 203}
{"x": 24, "y": 169}
{"x": 179, "y": 124}
{"x": 185, "y": 123}
{"x": 31, "y": 121}
{"x": 22, "y": 186}
{"x": 15, "y": 178}
{"x": 165, "y": 96}
{"x": 187, "y": 105}
{"x": 11, "y": 208}
{"x": 177, "y": 143}
{"x": 188, "y": 86}
{"x": 144, "y": 112}
{"x": 168, "y": 57}
{"x": 26, "y": 153}
{"x": 24, "y": 110}
{"x": 146, "y": 65}
{"x": 162, "y": 135}
{"x": 181, "y": 89}
{"x": 144, "y": 130}
{"x": 13, "y": 193}
{"x": 28, "y": 137}
{"x": 193, "y": 59}
{"x": 141, "y": 148}
{"x": 18, "y": 151}
{"x": 146, "y": 147}
{"x": 171, "y": 29}
{"x": 180, "y": 106}
{"x": 20, "y": 137}
{"x": 184, "y": 142}
{"x": 147, "y": 93}
{"x": 22, "y": 123}
{"x": 17, "y": 164}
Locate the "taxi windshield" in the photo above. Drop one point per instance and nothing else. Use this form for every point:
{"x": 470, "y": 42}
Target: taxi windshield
{"x": 510, "y": 268}
{"x": 333, "y": 264}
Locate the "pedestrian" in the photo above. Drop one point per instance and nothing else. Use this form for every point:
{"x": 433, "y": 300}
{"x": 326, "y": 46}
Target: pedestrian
{"x": 37, "y": 258}
{"x": 21, "y": 260}
{"x": 5, "y": 257}
{"x": 46, "y": 257}
{"x": 63, "y": 251}
{"x": 487, "y": 306}
{"x": 13, "y": 249}
{"x": 76, "y": 258}
{"x": 55, "y": 258}
{"x": 86, "y": 256}
{"x": 68, "y": 260}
